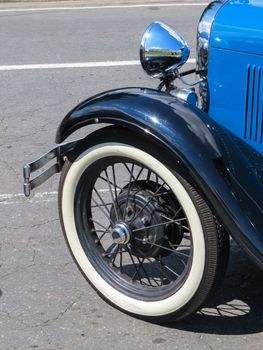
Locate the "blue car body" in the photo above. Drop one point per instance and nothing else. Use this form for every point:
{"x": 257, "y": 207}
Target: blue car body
{"x": 235, "y": 76}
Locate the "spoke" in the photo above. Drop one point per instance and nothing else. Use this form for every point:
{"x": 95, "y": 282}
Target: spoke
{"x": 114, "y": 182}
{"x": 163, "y": 193}
{"x": 103, "y": 234}
{"x": 139, "y": 173}
{"x": 148, "y": 175}
{"x": 139, "y": 266}
{"x": 156, "y": 225}
{"x": 121, "y": 268}
{"x": 174, "y": 220}
{"x": 113, "y": 201}
{"x": 118, "y": 251}
{"x": 145, "y": 205}
{"x": 100, "y": 205}
{"x": 130, "y": 171}
{"x": 187, "y": 238}
{"x": 156, "y": 179}
{"x": 162, "y": 273}
{"x": 129, "y": 189}
{"x": 160, "y": 224}
{"x": 160, "y": 246}
{"x": 157, "y": 266}
{"x": 137, "y": 272}
{"x": 183, "y": 226}
{"x": 137, "y": 177}
{"x": 101, "y": 199}
{"x": 177, "y": 222}
{"x": 177, "y": 212}
{"x": 102, "y": 210}
{"x": 103, "y": 178}
{"x": 168, "y": 268}
{"x": 112, "y": 251}
{"x": 177, "y": 245}
{"x": 96, "y": 222}
{"x": 183, "y": 262}
{"x": 145, "y": 272}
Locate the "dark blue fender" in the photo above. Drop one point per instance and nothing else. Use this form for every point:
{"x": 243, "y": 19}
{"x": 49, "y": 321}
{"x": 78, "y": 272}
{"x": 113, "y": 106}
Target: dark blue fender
{"x": 226, "y": 170}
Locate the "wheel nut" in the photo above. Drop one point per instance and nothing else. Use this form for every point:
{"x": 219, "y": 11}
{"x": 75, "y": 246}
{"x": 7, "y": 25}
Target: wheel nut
{"x": 129, "y": 211}
{"x": 145, "y": 220}
{"x": 144, "y": 241}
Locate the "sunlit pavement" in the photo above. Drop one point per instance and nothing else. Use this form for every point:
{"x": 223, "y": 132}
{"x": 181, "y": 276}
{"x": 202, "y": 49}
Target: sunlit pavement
{"x": 45, "y": 301}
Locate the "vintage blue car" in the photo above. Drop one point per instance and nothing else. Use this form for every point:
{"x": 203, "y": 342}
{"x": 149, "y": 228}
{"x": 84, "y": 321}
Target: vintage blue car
{"x": 148, "y": 203}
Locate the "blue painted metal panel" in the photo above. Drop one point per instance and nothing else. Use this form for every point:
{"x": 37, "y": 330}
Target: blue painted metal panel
{"x": 239, "y": 27}
{"x": 235, "y": 84}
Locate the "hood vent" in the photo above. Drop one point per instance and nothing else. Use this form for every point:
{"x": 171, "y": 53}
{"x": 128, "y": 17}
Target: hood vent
{"x": 253, "y": 130}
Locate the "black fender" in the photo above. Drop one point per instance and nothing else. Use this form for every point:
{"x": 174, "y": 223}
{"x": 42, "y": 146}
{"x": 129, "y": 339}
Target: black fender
{"x": 227, "y": 171}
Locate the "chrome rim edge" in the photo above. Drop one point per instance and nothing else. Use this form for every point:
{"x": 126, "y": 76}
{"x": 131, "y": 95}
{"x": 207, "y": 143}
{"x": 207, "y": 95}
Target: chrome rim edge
{"x": 203, "y": 41}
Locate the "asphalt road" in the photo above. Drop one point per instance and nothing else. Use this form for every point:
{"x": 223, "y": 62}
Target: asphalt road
{"x": 45, "y": 303}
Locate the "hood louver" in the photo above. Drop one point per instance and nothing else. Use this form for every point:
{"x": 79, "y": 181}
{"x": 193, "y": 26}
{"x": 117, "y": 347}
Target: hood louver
{"x": 254, "y": 105}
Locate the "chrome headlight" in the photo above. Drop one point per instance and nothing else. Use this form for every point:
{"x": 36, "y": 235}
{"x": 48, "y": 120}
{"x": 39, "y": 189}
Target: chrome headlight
{"x": 162, "y": 50}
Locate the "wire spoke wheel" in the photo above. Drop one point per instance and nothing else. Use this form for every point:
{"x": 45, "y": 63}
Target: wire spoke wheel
{"x": 136, "y": 226}
{"x": 140, "y": 233}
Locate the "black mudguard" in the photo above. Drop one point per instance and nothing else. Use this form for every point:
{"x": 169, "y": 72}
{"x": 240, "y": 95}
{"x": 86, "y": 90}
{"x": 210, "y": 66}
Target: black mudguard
{"x": 226, "y": 170}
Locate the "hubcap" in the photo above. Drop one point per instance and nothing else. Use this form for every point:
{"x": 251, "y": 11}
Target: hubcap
{"x": 120, "y": 233}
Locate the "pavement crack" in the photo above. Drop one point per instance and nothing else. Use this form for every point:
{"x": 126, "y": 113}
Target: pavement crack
{"x": 61, "y": 314}
{"x": 21, "y": 269}
{"x": 26, "y": 326}
{"x": 29, "y": 226}
{"x": 44, "y": 223}
{"x": 33, "y": 261}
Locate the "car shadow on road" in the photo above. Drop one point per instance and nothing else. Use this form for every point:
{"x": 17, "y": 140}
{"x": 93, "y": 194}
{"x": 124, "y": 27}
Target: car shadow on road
{"x": 238, "y": 307}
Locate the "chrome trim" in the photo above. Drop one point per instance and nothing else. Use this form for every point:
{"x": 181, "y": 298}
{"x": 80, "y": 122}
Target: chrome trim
{"x": 186, "y": 95}
{"x": 162, "y": 50}
{"x": 120, "y": 233}
{"x": 188, "y": 83}
{"x": 203, "y": 39}
{"x": 57, "y": 152}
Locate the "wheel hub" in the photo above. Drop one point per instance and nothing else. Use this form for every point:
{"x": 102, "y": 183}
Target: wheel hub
{"x": 140, "y": 223}
{"x": 120, "y": 233}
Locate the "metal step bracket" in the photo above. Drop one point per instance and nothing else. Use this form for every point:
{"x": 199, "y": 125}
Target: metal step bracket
{"x": 57, "y": 152}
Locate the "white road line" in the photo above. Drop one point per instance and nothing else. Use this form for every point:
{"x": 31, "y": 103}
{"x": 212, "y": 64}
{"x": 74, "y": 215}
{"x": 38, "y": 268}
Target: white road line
{"x": 18, "y": 198}
{"x": 73, "y": 65}
{"x": 67, "y": 8}
{"x": 69, "y": 65}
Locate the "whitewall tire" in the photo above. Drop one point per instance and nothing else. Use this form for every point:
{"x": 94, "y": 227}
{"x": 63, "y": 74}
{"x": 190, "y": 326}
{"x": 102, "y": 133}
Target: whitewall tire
{"x": 134, "y": 267}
